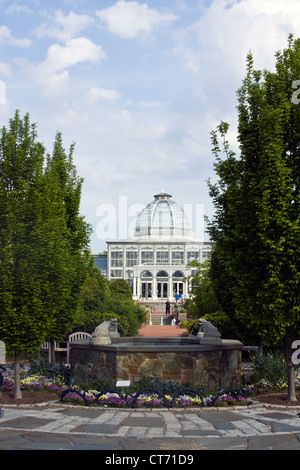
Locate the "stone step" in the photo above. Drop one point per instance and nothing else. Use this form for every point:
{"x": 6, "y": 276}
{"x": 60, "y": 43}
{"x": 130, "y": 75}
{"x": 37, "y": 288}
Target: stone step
{"x": 158, "y": 331}
{"x": 161, "y": 319}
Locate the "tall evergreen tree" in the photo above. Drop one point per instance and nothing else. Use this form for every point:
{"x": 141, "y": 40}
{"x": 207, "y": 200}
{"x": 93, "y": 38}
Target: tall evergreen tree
{"x": 62, "y": 175}
{"x": 256, "y": 226}
{"x": 36, "y": 280}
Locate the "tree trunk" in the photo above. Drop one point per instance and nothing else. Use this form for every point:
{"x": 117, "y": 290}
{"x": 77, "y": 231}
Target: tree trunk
{"x": 289, "y": 338}
{"x": 18, "y": 392}
{"x": 291, "y": 382}
{"x": 52, "y": 352}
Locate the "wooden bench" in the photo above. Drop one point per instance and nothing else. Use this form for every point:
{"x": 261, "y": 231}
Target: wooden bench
{"x": 57, "y": 347}
{"x": 75, "y": 337}
{"x": 250, "y": 348}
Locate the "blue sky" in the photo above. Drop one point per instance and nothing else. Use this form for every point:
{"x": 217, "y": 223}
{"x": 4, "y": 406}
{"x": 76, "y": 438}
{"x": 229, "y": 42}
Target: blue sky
{"x": 138, "y": 85}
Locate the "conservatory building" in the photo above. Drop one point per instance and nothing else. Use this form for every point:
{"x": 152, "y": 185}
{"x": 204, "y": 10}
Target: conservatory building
{"x": 154, "y": 262}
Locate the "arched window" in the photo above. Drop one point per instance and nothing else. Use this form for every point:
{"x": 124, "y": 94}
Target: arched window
{"x": 162, "y": 274}
{"x": 146, "y": 275}
{"x": 178, "y": 275}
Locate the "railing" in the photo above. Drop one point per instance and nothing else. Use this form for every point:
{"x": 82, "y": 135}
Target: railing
{"x": 168, "y": 398}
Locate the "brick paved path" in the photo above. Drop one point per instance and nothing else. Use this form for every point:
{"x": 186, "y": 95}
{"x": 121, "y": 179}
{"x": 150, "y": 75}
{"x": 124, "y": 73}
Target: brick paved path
{"x": 157, "y": 331}
{"x": 160, "y": 331}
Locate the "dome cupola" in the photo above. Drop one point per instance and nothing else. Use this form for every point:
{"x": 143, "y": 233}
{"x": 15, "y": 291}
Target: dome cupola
{"x": 162, "y": 217}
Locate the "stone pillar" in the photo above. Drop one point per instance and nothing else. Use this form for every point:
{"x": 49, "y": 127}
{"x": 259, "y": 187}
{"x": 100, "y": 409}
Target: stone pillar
{"x": 154, "y": 288}
{"x": 170, "y": 287}
{"x": 138, "y": 293}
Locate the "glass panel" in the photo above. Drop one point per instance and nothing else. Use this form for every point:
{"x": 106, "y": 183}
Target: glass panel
{"x": 116, "y": 259}
{"x": 192, "y": 255}
{"x": 162, "y": 257}
{"x": 177, "y": 257}
{"x": 146, "y": 290}
{"x": 162, "y": 290}
{"x": 205, "y": 255}
{"x": 131, "y": 258}
{"x": 114, "y": 273}
{"x": 147, "y": 257}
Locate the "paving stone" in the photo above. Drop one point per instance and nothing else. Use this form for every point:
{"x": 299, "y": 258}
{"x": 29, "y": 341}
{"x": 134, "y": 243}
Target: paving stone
{"x": 96, "y": 428}
{"x": 198, "y": 432}
{"x": 223, "y": 425}
{"x": 283, "y": 427}
{"x": 83, "y": 412}
{"x": 221, "y": 444}
{"x": 149, "y": 422}
{"x": 276, "y": 415}
{"x": 272, "y": 442}
{"x": 53, "y": 428}
{"x": 219, "y": 416}
{"x": 24, "y": 423}
{"x": 11, "y": 442}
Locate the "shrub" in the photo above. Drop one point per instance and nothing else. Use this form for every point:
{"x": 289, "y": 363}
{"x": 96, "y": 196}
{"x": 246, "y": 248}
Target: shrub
{"x": 270, "y": 367}
{"x": 93, "y": 319}
{"x": 46, "y": 369}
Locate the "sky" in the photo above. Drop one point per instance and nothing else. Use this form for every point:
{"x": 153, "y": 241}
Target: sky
{"x": 138, "y": 86}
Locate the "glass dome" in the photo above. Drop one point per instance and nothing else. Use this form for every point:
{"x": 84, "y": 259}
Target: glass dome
{"x": 162, "y": 217}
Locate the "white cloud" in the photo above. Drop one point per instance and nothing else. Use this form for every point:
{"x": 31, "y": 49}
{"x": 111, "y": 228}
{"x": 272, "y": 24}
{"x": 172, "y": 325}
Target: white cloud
{"x": 135, "y": 126}
{"x": 53, "y": 73}
{"x": 5, "y": 69}
{"x": 15, "y": 8}
{"x": 7, "y": 38}
{"x": 106, "y": 94}
{"x": 64, "y": 27}
{"x": 229, "y": 29}
{"x": 132, "y": 19}
{"x": 75, "y": 51}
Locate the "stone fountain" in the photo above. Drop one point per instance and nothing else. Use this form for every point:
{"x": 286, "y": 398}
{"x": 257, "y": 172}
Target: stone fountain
{"x": 206, "y": 360}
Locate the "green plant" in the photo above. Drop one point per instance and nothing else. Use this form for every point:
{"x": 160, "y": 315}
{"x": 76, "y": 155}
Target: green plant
{"x": 52, "y": 371}
{"x": 270, "y": 367}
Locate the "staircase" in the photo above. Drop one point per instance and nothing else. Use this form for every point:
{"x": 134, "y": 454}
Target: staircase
{"x": 160, "y": 318}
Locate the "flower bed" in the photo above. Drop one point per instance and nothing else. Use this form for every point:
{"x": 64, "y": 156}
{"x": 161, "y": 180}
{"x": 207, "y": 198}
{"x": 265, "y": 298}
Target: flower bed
{"x": 121, "y": 400}
{"x": 146, "y": 399}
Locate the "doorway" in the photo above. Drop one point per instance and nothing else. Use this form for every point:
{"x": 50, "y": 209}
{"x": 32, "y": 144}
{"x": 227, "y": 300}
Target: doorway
{"x": 162, "y": 290}
{"x": 147, "y": 290}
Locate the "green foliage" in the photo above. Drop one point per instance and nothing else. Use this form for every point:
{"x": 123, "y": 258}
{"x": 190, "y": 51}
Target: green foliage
{"x": 256, "y": 259}
{"x": 51, "y": 371}
{"x": 133, "y": 312}
{"x": 42, "y": 239}
{"x": 256, "y": 227}
{"x": 206, "y": 302}
{"x": 227, "y": 328}
{"x": 62, "y": 177}
{"x": 158, "y": 384}
{"x": 101, "y": 302}
{"x": 93, "y": 319}
{"x": 203, "y": 299}
{"x": 120, "y": 287}
{"x": 270, "y": 367}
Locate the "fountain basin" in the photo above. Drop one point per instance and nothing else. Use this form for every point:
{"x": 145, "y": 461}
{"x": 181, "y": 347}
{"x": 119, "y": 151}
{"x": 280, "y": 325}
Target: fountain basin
{"x": 211, "y": 367}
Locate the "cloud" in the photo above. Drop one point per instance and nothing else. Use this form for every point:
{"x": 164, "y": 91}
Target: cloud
{"x": 132, "y": 19}
{"x": 98, "y": 94}
{"x": 5, "y": 69}
{"x": 64, "y": 27}
{"x": 53, "y": 73}
{"x": 15, "y": 8}
{"x": 227, "y": 30}
{"x": 7, "y": 39}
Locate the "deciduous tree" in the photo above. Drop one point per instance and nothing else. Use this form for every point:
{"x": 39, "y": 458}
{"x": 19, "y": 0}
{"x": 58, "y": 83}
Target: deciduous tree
{"x": 37, "y": 251}
{"x": 256, "y": 224}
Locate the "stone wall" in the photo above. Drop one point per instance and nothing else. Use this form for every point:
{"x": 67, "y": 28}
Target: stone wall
{"x": 212, "y": 368}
